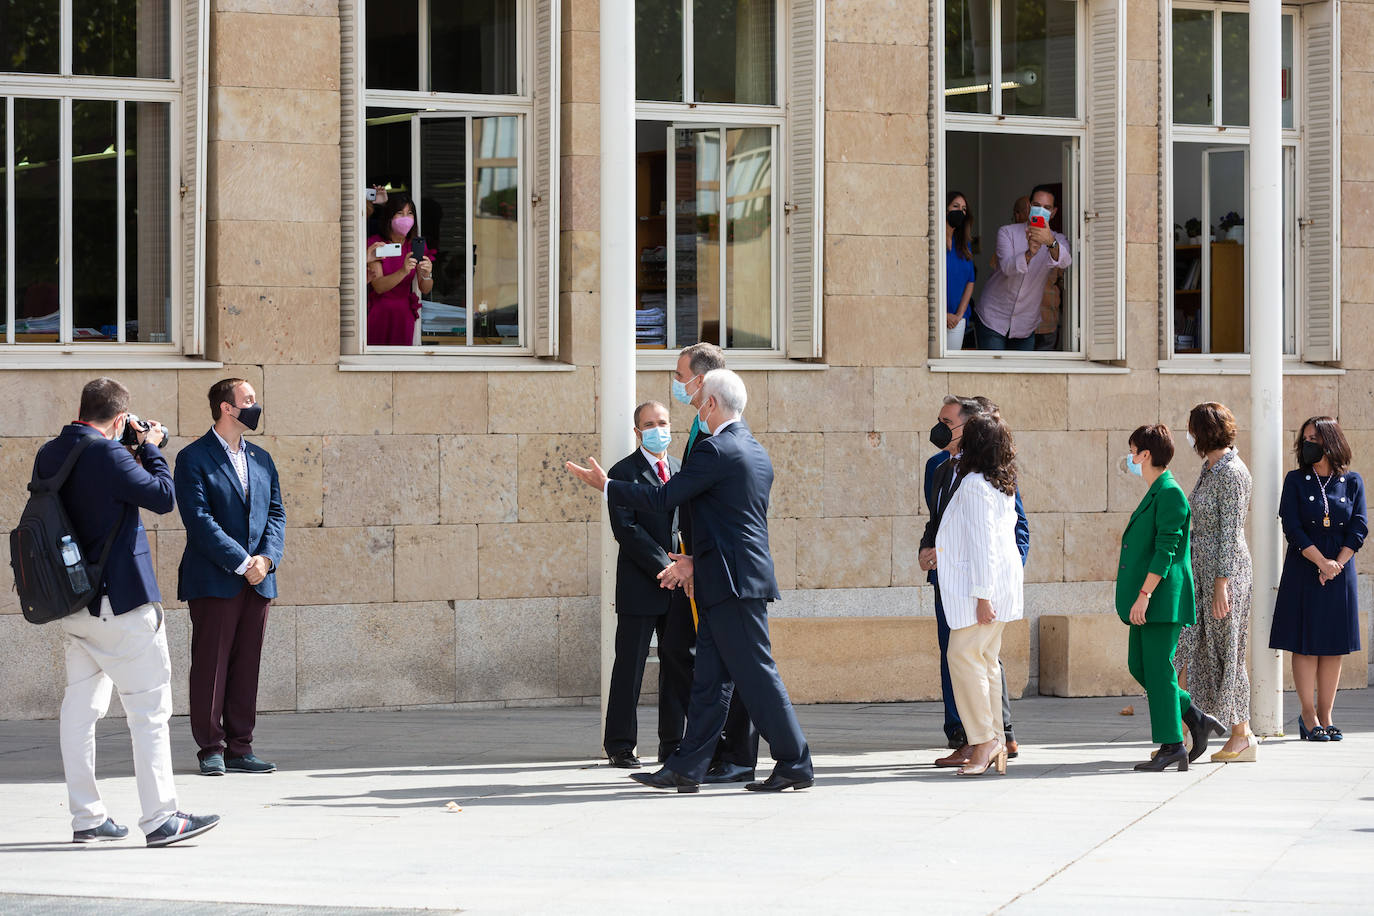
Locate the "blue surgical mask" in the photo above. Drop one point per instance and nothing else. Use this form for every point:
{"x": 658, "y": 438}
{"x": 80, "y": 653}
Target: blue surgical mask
{"x": 680, "y": 392}
{"x": 1040, "y": 216}
{"x": 655, "y": 439}
{"x": 1133, "y": 467}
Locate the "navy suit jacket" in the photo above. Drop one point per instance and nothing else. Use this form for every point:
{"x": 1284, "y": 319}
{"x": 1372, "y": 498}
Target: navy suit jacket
{"x": 725, "y": 488}
{"x": 645, "y": 539}
{"x": 220, "y": 527}
{"x": 107, "y": 488}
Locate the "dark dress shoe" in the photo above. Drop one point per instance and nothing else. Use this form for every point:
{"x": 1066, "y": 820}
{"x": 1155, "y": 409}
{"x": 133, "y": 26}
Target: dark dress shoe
{"x": 212, "y": 765}
{"x": 776, "y": 783}
{"x": 666, "y": 779}
{"x": 248, "y": 763}
{"x": 1202, "y": 726}
{"x": 729, "y": 772}
{"x": 626, "y": 760}
{"x": 1168, "y": 755}
{"x": 1013, "y": 749}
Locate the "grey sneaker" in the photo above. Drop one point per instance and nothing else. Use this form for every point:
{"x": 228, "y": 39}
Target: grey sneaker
{"x": 106, "y": 831}
{"x": 180, "y": 827}
{"x": 249, "y": 764}
{"x": 212, "y": 765}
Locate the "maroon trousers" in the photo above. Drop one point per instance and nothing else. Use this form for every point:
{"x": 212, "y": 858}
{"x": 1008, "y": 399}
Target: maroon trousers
{"x": 226, "y": 648}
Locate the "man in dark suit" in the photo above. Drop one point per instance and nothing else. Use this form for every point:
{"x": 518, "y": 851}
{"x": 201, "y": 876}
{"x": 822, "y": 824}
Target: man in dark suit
{"x": 725, "y": 489}
{"x": 120, "y": 640}
{"x": 230, "y": 502}
{"x": 737, "y": 754}
{"x": 643, "y": 607}
{"x": 942, "y": 480}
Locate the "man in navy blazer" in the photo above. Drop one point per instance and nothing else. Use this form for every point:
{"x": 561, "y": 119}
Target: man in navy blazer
{"x": 230, "y": 501}
{"x": 120, "y": 641}
{"x": 725, "y": 488}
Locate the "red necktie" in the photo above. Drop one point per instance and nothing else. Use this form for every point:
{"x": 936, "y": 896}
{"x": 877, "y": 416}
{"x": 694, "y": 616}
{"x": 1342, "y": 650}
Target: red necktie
{"x": 663, "y": 472}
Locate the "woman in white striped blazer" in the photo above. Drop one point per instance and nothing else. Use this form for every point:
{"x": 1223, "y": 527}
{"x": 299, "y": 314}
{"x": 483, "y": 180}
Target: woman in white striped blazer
{"x": 980, "y": 583}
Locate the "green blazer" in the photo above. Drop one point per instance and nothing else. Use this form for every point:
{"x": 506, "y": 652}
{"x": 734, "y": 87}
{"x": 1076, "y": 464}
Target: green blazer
{"x": 1157, "y": 540}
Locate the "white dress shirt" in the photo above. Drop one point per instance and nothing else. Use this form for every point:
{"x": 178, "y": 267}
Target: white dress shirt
{"x": 654, "y": 461}
{"x": 239, "y": 461}
{"x": 977, "y": 555}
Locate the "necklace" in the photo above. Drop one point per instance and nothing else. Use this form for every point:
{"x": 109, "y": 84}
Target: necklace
{"x": 1326, "y": 509}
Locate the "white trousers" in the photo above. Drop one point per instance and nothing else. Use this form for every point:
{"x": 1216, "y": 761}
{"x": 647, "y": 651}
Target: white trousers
{"x": 954, "y": 337}
{"x": 128, "y": 652}
{"x": 976, "y": 677}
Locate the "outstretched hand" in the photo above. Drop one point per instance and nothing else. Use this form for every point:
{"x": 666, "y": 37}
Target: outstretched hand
{"x": 593, "y": 476}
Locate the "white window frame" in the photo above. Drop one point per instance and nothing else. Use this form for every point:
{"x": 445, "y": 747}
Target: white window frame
{"x": 187, "y": 30}
{"x": 538, "y": 213}
{"x": 801, "y": 25}
{"x": 1074, "y": 205}
{"x": 1219, "y": 134}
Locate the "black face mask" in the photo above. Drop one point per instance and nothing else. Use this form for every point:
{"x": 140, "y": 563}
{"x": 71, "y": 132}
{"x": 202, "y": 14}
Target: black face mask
{"x": 956, "y": 218}
{"x": 249, "y": 416}
{"x": 941, "y": 435}
{"x": 1312, "y": 452}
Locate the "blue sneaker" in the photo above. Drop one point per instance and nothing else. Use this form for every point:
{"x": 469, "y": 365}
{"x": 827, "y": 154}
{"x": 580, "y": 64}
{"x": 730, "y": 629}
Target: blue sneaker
{"x": 106, "y": 831}
{"x": 212, "y": 765}
{"x": 180, "y": 827}
{"x": 249, "y": 764}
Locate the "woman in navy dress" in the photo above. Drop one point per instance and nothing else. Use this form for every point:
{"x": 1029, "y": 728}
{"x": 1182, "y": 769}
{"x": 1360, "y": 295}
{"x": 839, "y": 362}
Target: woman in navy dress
{"x": 1316, "y": 614}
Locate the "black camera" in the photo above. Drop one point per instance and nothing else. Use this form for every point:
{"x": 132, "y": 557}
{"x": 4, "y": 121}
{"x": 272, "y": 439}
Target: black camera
{"x": 136, "y": 426}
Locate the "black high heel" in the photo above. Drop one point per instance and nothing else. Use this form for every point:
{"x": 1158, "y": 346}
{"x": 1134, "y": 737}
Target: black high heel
{"x": 1201, "y": 725}
{"x": 1168, "y": 755}
{"x": 1316, "y": 734}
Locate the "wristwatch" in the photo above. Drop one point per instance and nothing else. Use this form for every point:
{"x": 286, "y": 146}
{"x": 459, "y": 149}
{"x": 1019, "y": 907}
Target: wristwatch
{"x": 1146, "y": 594}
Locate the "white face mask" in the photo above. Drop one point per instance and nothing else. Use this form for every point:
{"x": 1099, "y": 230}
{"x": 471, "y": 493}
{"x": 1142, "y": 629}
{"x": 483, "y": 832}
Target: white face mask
{"x": 1192, "y": 440}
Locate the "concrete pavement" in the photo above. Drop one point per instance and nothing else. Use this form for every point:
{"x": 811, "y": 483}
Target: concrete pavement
{"x": 357, "y": 818}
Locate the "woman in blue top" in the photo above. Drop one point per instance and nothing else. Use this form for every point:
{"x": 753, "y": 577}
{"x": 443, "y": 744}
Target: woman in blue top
{"x": 1316, "y": 614}
{"x": 959, "y": 270}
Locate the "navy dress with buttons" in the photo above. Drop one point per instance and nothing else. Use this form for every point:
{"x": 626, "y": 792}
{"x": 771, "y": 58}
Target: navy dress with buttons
{"x": 1311, "y": 618}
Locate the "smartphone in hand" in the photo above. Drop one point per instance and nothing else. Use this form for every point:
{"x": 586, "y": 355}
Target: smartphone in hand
{"x": 389, "y": 251}
{"x": 1040, "y": 217}
{"x": 371, "y": 193}
{"x": 417, "y": 248}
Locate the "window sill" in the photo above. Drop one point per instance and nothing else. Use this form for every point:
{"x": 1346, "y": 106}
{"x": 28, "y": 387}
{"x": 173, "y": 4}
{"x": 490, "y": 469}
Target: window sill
{"x": 27, "y": 357}
{"x": 1023, "y": 364}
{"x": 1237, "y": 365}
{"x": 449, "y": 362}
{"x": 663, "y": 360}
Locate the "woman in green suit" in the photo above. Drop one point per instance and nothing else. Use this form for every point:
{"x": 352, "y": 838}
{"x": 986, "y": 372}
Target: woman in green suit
{"x": 1154, "y": 595}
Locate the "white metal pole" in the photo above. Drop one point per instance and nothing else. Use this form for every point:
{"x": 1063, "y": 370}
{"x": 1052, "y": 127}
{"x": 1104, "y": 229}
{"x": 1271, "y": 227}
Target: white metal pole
{"x": 1264, "y": 234}
{"x": 617, "y": 282}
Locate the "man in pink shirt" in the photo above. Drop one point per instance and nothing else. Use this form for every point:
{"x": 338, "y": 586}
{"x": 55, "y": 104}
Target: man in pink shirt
{"x": 1008, "y": 311}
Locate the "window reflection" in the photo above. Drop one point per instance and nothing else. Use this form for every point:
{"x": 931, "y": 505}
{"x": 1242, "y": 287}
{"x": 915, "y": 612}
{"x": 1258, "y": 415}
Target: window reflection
{"x": 734, "y": 51}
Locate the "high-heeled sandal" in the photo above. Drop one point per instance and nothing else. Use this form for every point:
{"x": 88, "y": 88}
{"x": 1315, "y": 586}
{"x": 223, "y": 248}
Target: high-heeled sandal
{"x": 1316, "y": 734}
{"x": 997, "y": 761}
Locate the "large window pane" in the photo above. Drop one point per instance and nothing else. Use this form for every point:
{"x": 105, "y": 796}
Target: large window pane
{"x": 1288, "y": 73}
{"x": 29, "y": 36}
{"x": 120, "y": 38}
{"x": 651, "y": 235}
{"x": 147, "y": 222}
{"x": 393, "y": 45}
{"x": 968, "y": 56}
{"x": 658, "y": 50}
{"x": 496, "y": 231}
{"x": 1039, "y": 57}
{"x": 749, "y": 238}
{"x": 1192, "y": 67}
{"x": 37, "y": 208}
{"x": 696, "y": 229}
{"x": 443, "y": 223}
{"x": 1209, "y": 194}
{"x": 734, "y": 51}
{"x": 472, "y": 46}
{"x": 95, "y": 261}
{"x": 1235, "y": 69}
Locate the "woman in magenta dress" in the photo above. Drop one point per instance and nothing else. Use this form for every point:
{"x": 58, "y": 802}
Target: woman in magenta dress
{"x": 392, "y": 304}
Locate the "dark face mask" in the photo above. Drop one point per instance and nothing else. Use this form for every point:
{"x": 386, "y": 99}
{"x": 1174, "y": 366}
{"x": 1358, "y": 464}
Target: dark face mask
{"x": 956, "y": 218}
{"x": 1312, "y": 452}
{"x": 941, "y": 435}
{"x": 249, "y": 416}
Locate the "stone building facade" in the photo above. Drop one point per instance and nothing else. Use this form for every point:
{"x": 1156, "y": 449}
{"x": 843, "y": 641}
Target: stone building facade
{"x": 437, "y": 553}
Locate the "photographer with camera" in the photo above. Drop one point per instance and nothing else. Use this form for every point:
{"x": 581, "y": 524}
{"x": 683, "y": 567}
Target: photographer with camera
{"x": 1009, "y": 310}
{"x": 120, "y": 642}
{"x": 230, "y": 500}
{"x": 393, "y": 299}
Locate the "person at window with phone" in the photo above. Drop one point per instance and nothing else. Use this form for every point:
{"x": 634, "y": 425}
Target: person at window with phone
{"x": 393, "y": 299}
{"x": 1008, "y": 313}
{"x": 959, "y": 270}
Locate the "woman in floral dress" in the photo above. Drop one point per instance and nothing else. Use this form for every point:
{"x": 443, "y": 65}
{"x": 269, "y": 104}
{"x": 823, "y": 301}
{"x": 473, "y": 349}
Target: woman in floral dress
{"x": 1212, "y": 653}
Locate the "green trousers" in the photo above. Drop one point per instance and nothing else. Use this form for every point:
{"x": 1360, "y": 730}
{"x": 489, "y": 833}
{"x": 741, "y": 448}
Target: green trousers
{"x": 1150, "y": 657}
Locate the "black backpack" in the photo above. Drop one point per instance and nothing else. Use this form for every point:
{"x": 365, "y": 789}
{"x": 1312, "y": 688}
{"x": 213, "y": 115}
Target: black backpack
{"x": 48, "y": 588}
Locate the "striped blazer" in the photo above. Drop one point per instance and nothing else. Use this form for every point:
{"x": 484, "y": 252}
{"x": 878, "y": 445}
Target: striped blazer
{"x": 977, "y": 554}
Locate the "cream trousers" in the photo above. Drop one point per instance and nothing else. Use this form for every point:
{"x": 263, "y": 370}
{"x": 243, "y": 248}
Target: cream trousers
{"x": 977, "y": 679}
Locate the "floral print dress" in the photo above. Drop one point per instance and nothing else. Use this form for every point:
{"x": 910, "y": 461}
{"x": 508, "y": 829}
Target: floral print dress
{"x": 1213, "y": 652}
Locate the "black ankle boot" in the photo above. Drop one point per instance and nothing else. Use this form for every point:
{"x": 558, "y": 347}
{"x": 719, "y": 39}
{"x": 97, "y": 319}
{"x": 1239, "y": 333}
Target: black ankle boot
{"x": 1167, "y": 756}
{"x": 1202, "y": 726}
